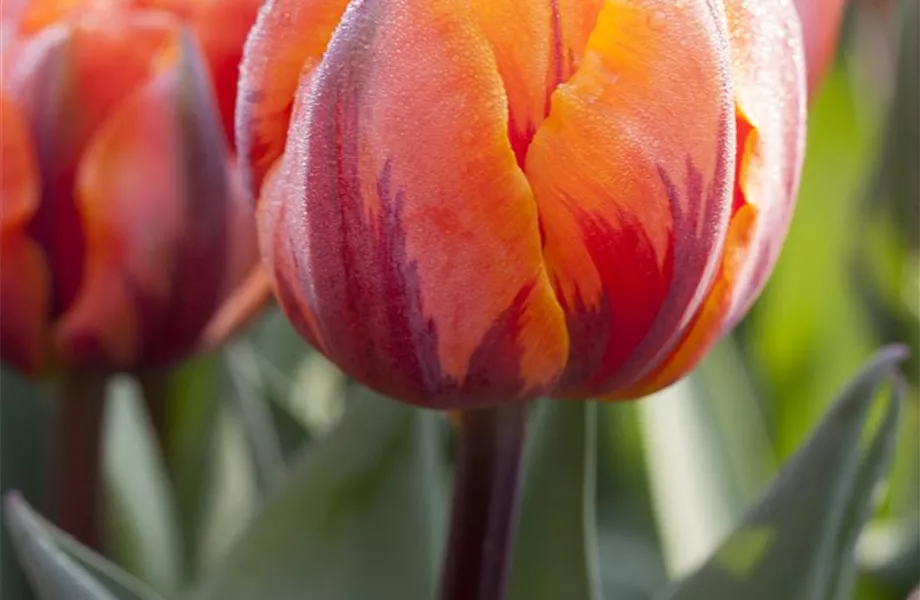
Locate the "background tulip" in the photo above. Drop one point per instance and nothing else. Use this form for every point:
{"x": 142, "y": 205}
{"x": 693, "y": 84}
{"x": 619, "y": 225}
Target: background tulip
{"x": 123, "y": 224}
{"x": 486, "y": 201}
{"x": 821, "y": 26}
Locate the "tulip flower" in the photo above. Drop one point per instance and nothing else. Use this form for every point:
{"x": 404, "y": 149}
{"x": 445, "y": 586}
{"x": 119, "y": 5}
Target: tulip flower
{"x": 124, "y": 225}
{"x": 470, "y": 203}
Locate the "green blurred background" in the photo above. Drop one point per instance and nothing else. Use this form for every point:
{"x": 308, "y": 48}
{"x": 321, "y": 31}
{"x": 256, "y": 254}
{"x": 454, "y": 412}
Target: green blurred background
{"x": 674, "y": 472}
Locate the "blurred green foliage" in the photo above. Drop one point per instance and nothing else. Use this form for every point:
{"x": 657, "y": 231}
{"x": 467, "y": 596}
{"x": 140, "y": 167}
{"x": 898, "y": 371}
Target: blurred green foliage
{"x": 281, "y": 479}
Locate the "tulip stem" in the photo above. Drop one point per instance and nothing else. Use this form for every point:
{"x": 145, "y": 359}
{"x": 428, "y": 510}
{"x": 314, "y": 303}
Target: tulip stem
{"x": 489, "y": 449}
{"x": 79, "y": 426}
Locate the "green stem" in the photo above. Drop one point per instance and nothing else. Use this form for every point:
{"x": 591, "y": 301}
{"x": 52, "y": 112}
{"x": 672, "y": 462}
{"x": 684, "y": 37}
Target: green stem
{"x": 490, "y": 445}
{"x": 79, "y": 426}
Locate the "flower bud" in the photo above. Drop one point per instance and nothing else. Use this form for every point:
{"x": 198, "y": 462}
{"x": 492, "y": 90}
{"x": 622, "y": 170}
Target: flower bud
{"x": 463, "y": 203}
{"x": 124, "y": 225}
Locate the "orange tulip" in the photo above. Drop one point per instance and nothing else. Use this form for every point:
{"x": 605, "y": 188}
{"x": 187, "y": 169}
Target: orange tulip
{"x": 463, "y": 203}
{"x": 124, "y": 225}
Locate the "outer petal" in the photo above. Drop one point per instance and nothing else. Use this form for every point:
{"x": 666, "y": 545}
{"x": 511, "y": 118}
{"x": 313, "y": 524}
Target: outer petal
{"x": 287, "y": 41}
{"x": 401, "y": 232}
{"x": 820, "y": 26}
{"x": 67, "y": 104}
{"x": 769, "y": 76}
{"x": 154, "y": 195}
{"x": 247, "y": 287}
{"x": 23, "y": 275}
{"x": 631, "y": 172}
{"x": 221, "y": 27}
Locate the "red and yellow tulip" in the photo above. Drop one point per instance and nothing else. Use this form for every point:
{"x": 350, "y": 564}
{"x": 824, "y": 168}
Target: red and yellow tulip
{"x": 124, "y": 225}
{"x": 463, "y": 203}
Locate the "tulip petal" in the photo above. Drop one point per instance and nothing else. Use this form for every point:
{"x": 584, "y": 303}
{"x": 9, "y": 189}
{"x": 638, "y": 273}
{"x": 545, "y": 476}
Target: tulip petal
{"x": 18, "y": 177}
{"x": 11, "y": 10}
{"x": 24, "y": 292}
{"x": 537, "y": 46}
{"x": 399, "y": 226}
{"x": 247, "y": 287}
{"x": 67, "y": 104}
{"x": 632, "y": 176}
{"x": 221, "y": 27}
{"x": 287, "y": 41}
{"x": 154, "y": 196}
{"x": 770, "y": 97}
{"x": 820, "y": 27}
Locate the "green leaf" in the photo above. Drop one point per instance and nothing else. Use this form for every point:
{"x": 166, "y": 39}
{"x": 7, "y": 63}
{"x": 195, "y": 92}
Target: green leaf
{"x": 291, "y": 432}
{"x": 250, "y": 399}
{"x": 706, "y": 443}
{"x": 193, "y": 409}
{"x": 795, "y": 331}
{"x": 141, "y": 518}
{"x": 797, "y": 543}
{"x": 356, "y": 518}
{"x": 280, "y": 348}
{"x": 25, "y": 432}
{"x": 629, "y": 548}
{"x": 890, "y": 554}
{"x": 302, "y": 383}
{"x": 61, "y": 569}
{"x": 555, "y": 551}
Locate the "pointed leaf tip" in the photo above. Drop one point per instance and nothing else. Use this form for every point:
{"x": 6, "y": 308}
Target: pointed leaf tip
{"x": 52, "y": 574}
{"x": 797, "y": 541}
{"x": 57, "y": 567}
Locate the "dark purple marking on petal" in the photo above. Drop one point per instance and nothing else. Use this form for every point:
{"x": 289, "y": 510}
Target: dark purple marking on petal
{"x": 170, "y": 331}
{"x": 638, "y": 318}
{"x": 354, "y": 274}
{"x": 170, "y": 327}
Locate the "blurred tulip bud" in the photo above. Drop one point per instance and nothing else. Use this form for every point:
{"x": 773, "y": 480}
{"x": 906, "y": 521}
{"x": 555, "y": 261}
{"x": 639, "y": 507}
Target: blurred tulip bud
{"x": 124, "y": 224}
{"x": 820, "y": 27}
{"x": 471, "y": 202}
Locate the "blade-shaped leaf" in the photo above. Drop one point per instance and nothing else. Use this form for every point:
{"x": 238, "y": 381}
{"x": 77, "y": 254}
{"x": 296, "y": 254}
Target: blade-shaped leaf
{"x": 356, "y": 518}
{"x": 252, "y": 404}
{"x": 629, "y": 547}
{"x": 193, "y": 408}
{"x": 797, "y": 542}
{"x": 61, "y": 569}
{"x": 141, "y": 520}
{"x": 273, "y": 431}
{"x": 280, "y": 349}
{"x": 706, "y": 443}
{"x": 555, "y": 552}
{"x": 292, "y": 434}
